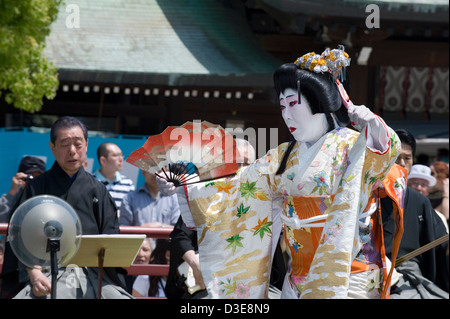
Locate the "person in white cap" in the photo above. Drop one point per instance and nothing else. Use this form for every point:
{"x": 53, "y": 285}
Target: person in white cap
{"x": 420, "y": 179}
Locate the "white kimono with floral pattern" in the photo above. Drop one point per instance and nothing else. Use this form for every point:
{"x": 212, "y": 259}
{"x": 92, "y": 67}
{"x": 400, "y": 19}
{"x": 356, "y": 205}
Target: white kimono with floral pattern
{"x": 235, "y": 216}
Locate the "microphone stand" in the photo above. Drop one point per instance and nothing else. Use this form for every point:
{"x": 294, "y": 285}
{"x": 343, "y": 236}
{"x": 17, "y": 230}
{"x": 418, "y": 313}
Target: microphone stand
{"x": 53, "y": 245}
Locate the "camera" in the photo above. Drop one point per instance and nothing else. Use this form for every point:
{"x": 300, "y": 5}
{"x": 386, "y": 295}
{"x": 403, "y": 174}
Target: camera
{"x": 29, "y": 176}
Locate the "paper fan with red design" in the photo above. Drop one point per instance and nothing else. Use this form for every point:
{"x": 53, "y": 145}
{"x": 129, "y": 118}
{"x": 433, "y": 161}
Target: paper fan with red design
{"x": 183, "y": 153}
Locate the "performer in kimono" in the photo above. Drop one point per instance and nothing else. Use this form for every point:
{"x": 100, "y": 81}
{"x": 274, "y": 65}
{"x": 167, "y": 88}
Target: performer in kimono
{"x": 322, "y": 181}
{"x": 68, "y": 180}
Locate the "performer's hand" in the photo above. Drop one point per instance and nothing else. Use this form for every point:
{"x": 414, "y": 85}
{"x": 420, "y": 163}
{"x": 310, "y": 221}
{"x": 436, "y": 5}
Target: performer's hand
{"x": 41, "y": 285}
{"x": 360, "y": 116}
{"x": 166, "y": 188}
{"x": 377, "y": 135}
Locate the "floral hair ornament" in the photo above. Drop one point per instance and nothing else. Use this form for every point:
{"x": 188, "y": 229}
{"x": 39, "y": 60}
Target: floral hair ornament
{"x": 332, "y": 61}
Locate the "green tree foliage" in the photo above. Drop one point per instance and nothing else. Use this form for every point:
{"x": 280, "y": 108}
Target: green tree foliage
{"x": 26, "y": 76}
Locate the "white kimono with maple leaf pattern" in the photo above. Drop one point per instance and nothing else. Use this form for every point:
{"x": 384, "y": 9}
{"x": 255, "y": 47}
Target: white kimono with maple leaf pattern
{"x": 234, "y": 216}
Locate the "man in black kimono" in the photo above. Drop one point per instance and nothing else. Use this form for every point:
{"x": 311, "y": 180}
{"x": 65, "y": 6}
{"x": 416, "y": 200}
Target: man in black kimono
{"x": 425, "y": 276}
{"x": 97, "y": 212}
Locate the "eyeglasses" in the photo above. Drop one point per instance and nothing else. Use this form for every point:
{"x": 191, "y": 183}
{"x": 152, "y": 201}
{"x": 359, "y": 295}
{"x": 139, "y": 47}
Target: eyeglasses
{"x": 416, "y": 183}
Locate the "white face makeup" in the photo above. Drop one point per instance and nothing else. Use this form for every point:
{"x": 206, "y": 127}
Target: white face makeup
{"x": 303, "y": 125}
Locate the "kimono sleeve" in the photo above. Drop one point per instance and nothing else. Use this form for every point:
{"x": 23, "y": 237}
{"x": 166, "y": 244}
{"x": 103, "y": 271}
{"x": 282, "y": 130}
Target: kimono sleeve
{"x": 233, "y": 219}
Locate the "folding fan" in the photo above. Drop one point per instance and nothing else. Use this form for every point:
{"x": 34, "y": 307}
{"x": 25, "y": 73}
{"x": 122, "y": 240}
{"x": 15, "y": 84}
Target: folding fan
{"x": 194, "y": 149}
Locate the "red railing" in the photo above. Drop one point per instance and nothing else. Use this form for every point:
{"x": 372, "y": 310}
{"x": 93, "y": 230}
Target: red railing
{"x": 3, "y": 228}
{"x": 134, "y": 270}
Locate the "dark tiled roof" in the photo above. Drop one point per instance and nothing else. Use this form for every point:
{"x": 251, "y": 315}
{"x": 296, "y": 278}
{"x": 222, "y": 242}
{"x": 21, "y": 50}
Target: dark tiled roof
{"x": 168, "y": 41}
{"x": 401, "y": 10}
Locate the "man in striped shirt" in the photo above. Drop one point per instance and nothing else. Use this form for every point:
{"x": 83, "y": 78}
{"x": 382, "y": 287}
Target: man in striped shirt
{"x": 110, "y": 157}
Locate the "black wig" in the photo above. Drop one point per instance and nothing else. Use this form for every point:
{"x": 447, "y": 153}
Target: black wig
{"x": 319, "y": 89}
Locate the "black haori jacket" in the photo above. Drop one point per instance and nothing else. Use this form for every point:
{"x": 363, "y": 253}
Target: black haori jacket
{"x": 88, "y": 197}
